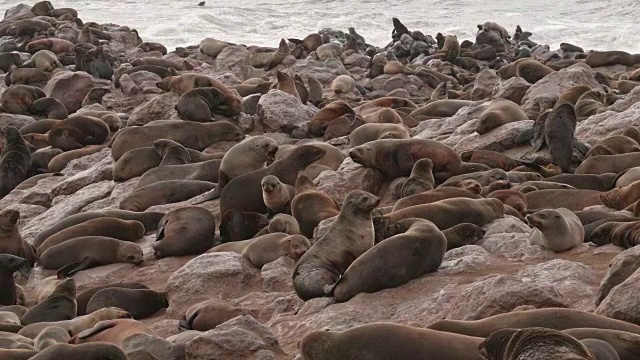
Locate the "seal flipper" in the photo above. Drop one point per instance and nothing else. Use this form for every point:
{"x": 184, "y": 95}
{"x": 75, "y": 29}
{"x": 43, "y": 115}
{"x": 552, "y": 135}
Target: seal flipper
{"x": 209, "y": 195}
{"x": 329, "y": 289}
{"x": 581, "y": 147}
{"x": 160, "y": 232}
{"x": 69, "y": 270}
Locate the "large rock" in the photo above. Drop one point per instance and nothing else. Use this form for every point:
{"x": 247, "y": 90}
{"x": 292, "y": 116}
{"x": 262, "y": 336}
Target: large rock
{"x": 279, "y": 111}
{"x": 440, "y": 129}
{"x": 14, "y": 120}
{"x": 101, "y": 171}
{"x": 211, "y": 276}
{"x": 241, "y": 338}
{"x": 599, "y": 126}
{"x": 349, "y": 176}
{"x": 484, "y": 85}
{"x": 623, "y": 302}
{"x": 500, "y": 139}
{"x": 464, "y": 259}
{"x": 277, "y": 275}
{"x": 491, "y": 38}
{"x": 70, "y": 88}
{"x": 161, "y": 107}
{"x": 233, "y": 59}
{"x": 622, "y": 266}
{"x": 324, "y": 72}
{"x": 512, "y": 89}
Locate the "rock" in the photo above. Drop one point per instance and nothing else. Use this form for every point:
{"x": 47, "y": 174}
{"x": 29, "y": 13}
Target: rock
{"x": 507, "y": 224}
{"x": 349, "y": 176}
{"x": 232, "y": 274}
{"x": 401, "y": 93}
{"x": 250, "y": 104}
{"x": 233, "y": 59}
{"x": 70, "y": 88}
{"x": 599, "y": 126}
{"x": 554, "y": 84}
{"x": 324, "y": 72}
{"x": 622, "y": 266}
{"x": 278, "y": 111}
{"x": 322, "y": 228}
{"x": 397, "y": 81}
{"x": 513, "y": 246}
{"x": 491, "y": 38}
{"x": 85, "y": 162}
{"x": 623, "y": 303}
{"x": 101, "y": 171}
{"x": 241, "y": 338}
{"x": 465, "y": 258}
{"x": 484, "y": 85}
{"x": 17, "y": 11}
{"x": 128, "y": 86}
{"x": 139, "y": 77}
{"x": 276, "y": 275}
{"x": 357, "y": 60}
{"x": 160, "y": 107}
{"x": 512, "y": 89}
{"x": 156, "y": 346}
{"x": 440, "y": 129}
{"x": 500, "y": 139}
{"x": 629, "y": 100}
{"x": 14, "y": 120}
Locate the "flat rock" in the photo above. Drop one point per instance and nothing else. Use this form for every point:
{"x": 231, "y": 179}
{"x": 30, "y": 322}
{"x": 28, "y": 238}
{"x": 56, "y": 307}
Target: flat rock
{"x": 484, "y": 85}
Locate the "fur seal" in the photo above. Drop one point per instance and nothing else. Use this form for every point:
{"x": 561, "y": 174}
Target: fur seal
{"x": 60, "y": 161}
{"x": 83, "y": 298}
{"x": 374, "y": 131}
{"x": 50, "y": 108}
{"x": 513, "y": 198}
{"x": 11, "y": 242}
{"x": 605, "y": 58}
{"x": 191, "y": 135}
{"x": 82, "y": 351}
{"x": 600, "y": 349}
{"x": 127, "y": 230}
{"x": 534, "y": 342}
{"x": 434, "y": 195}
{"x": 269, "y": 60}
{"x": 185, "y": 231}
{"x": 212, "y": 47}
{"x": 613, "y": 145}
{"x": 46, "y": 61}
{"x": 420, "y": 180}
{"x": 627, "y": 345}
{"x": 9, "y": 264}
{"x": 499, "y": 112}
{"x": 58, "y": 306}
{"x": 203, "y": 171}
{"x": 111, "y": 331}
{"x": 574, "y": 200}
{"x": 319, "y": 122}
{"x": 15, "y": 161}
{"x": 59, "y": 47}
{"x": 199, "y": 104}
{"x": 164, "y": 192}
{"x": 189, "y": 81}
{"x": 241, "y": 225}
{"x": 77, "y": 131}
{"x": 602, "y": 164}
{"x": 599, "y": 182}
{"x": 395, "y": 261}
{"x": 27, "y": 76}
{"x": 343, "y": 84}
{"x": 450, "y": 49}
{"x": 158, "y": 70}
{"x": 395, "y": 157}
{"x": 556, "y": 229}
{"x": 51, "y": 336}
{"x": 157, "y": 62}
{"x": 140, "y": 303}
{"x": 388, "y": 341}
{"x": 310, "y": 206}
{"x": 484, "y": 178}
{"x": 77, "y": 324}
{"x": 90, "y": 251}
{"x": 270, "y": 247}
{"x": 530, "y": 70}
{"x": 349, "y": 237}
{"x": 622, "y": 197}
{"x": 623, "y": 234}
{"x": 276, "y": 195}
{"x": 208, "y": 314}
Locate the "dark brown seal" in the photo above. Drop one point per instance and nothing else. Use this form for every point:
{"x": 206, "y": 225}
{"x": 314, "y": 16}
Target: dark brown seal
{"x": 199, "y": 104}
{"x": 623, "y": 234}
{"x": 238, "y": 225}
{"x": 83, "y": 298}
{"x": 499, "y": 112}
{"x": 58, "y": 306}
{"x": 15, "y": 161}
{"x": 11, "y": 242}
{"x": 420, "y": 180}
{"x": 140, "y": 303}
{"x": 185, "y": 231}
{"x": 310, "y": 206}
{"x": 77, "y": 131}
{"x": 164, "y": 192}
{"x": 9, "y": 264}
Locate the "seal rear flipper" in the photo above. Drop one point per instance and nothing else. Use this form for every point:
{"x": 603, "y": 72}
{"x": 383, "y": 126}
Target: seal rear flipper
{"x": 183, "y": 326}
{"x": 69, "y": 270}
{"x": 580, "y": 146}
{"x": 160, "y": 231}
{"x": 100, "y": 327}
{"x": 329, "y": 289}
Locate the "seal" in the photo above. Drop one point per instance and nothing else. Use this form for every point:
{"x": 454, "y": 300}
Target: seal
{"x": 530, "y": 70}
{"x": 50, "y": 108}
{"x": 244, "y": 193}
{"x": 613, "y": 145}
{"x": 59, "y": 47}
{"x": 158, "y": 70}
{"x": 83, "y": 298}
{"x": 624, "y": 343}
{"x": 164, "y": 192}
{"x": 590, "y": 103}
{"x": 606, "y": 58}
{"x": 82, "y": 351}
{"x": 559, "y": 130}
{"x": 514, "y": 344}
{"x": 450, "y": 50}
{"x": 387, "y": 341}
{"x": 208, "y": 314}
{"x": 51, "y": 336}
{"x": 189, "y": 81}
{"x": 434, "y": 195}
{"x": 600, "y": 349}
{"x": 513, "y": 198}
{"x": 140, "y": 303}
{"x": 89, "y": 251}
{"x": 374, "y": 131}
{"x": 11, "y": 242}
{"x": 15, "y": 161}
{"x": 572, "y": 94}
{"x": 623, "y": 234}
{"x": 333, "y": 158}
{"x": 395, "y": 261}
{"x": 212, "y": 47}
{"x": 127, "y": 230}
{"x": 310, "y": 206}
{"x": 319, "y": 122}
{"x": 343, "y": 84}
{"x": 60, "y": 161}
{"x": 620, "y": 198}
{"x": 185, "y": 231}
{"x": 627, "y": 177}
{"x": 603, "y": 164}
{"x": 192, "y": 135}
{"x": 94, "y": 96}
{"x": 499, "y": 112}
{"x": 199, "y": 104}
{"x": 420, "y": 180}
{"x": 111, "y": 331}
{"x": 267, "y": 248}
{"x": 26, "y": 76}
{"x": 9, "y": 264}
{"x": 269, "y": 60}
{"x": 166, "y": 63}
{"x": 60, "y": 305}
{"x": 286, "y": 83}
{"x": 395, "y": 157}
{"x": 45, "y": 60}
{"x": 203, "y": 171}
{"x": 38, "y": 141}
{"x": 555, "y": 229}
{"x": 77, "y": 324}
{"x": 238, "y": 225}
{"x": 164, "y": 152}
{"x": 599, "y": 182}
{"x": 276, "y": 195}
{"x": 349, "y": 237}
{"x": 574, "y": 200}
{"x": 77, "y": 131}
{"x": 281, "y": 223}
{"x": 484, "y": 178}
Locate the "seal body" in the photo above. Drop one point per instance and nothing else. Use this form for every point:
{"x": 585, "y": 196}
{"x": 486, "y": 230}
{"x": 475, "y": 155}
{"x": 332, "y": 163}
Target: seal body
{"x": 558, "y": 230}
{"x": 15, "y": 161}
{"x": 185, "y": 231}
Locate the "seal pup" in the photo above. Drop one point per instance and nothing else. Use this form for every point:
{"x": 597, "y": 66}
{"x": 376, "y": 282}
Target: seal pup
{"x": 78, "y": 131}
{"x": 420, "y": 180}
{"x": 238, "y": 225}
{"x": 374, "y": 131}
{"x": 9, "y": 264}
{"x": 276, "y": 195}
{"x": 310, "y": 206}
{"x": 15, "y": 161}
{"x": 267, "y": 248}
{"x": 208, "y": 314}
{"x": 555, "y": 229}
{"x": 349, "y": 237}
{"x": 200, "y": 104}
{"x": 395, "y": 261}
{"x": 185, "y": 231}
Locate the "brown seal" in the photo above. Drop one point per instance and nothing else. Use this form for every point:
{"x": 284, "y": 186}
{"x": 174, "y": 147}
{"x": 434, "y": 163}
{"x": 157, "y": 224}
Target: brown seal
{"x": 59, "y": 47}
{"x": 204, "y": 171}
{"x": 9, "y": 264}
{"x": 623, "y": 234}
{"x": 484, "y": 178}
{"x": 450, "y": 49}
{"x": 457, "y": 236}
{"x": 349, "y": 237}
{"x": 60, "y": 161}
{"x": 394, "y": 262}
{"x": 77, "y": 131}
{"x": 590, "y": 103}
{"x": 158, "y": 70}
{"x": 310, "y": 206}
{"x": 573, "y": 200}
{"x": 319, "y": 122}
{"x": 395, "y": 158}
{"x": 552, "y": 318}
{"x": 38, "y": 141}
{"x": 238, "y": 225}
{"x": 82, "y": 351}
{"x": 269, "y": 60}
{"x": 267, "y": 248}
{"x": 333, "y": 157}
{"x": 602, "y": 164}
{"x": 573, "y": 94}
{"x": 627, "y": 177}
{"x": 164, "y": 192}
{"x": 343, "y": 84}
{"x": 626, "y": 344}
{"x": 441, "y": 108}
{"x": 200, "y": 104}
{"x": 208, "y": 314}
{"x": 388, "y": 341}
{"x": 153, "y": 46}
{"x": 530, "y": 70}
{"x": 189, "y": 134}
{"x": 11, "y": 242}
{"x": 599, "y": 182}
{"x": 50, "y": 108}
{"x": 513, "y": 198}
{"x": 434, "y": 195}
{"x": 140, "y": 303}
{"x": 189, "y": 81}
{"x": 127, "y": 230}
{"x": 157, "y": 62}
{"x": 620, "y": 198}
{"x": 27, "y": 76}
{"x": 244, "y": 193}
{"x": 58, "y": 306}
{"x": 90, "y": 251}
{"x": 499, "y": 112}
{"x": 45, "y": 60}
{"x": 282, "y": 223}
{"x": 374, "y": 131}
{"x": 15, "y": 161}
{"x": 185, "y": 231}
{"x": 613, "y": 145}
{"x": 77, "y": 324}
{"x": 111, "y": 331}
{"x": 600, "y": 349}
{"x": 39, "y": 127}
{"x": 83, "y": 298}
{"x": 606, "y": 58}
{"x": 286, "y": 83}
{"x": 51, "y": 336}
{"x": 559, "y": 129}
{"x": 276, "y": 195}
{"x": 420, "y": 180}
{"x": 514, "y": 344}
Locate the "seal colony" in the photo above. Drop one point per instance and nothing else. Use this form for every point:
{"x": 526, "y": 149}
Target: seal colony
{"x": 323, "y": 198}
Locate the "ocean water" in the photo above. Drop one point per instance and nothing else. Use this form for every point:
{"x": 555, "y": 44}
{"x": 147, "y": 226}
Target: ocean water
{"x": 591, "y": 24}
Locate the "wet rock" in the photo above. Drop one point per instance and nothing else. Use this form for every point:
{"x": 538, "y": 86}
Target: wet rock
{"x": 484, "y": 85}
{"x": 623, "y": 303}
{"x": 232, "y": 274}
{"x": 349, "y": 176}
{"x": 160, "y": 107}
{"x": 622, "y": 266}
{"x": 512, "y": 89}
{"x": 70, "y": 88}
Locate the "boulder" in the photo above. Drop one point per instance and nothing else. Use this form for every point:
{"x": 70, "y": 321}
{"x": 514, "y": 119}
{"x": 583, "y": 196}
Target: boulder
{"x": 278, "y": 110}
{"x": 484, "y": 85}
{"x": 622, "y": 266}
{"x": 70, "y": 88}
{"x": 623, "y": 303}
{"x": 160, "y": 107}
{"x": 512, "y": 89}
{"x": 349, "y": 176}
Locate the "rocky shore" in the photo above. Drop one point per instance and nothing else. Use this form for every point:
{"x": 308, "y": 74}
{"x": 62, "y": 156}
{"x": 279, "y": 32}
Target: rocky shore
{"x": 499, "y": 118}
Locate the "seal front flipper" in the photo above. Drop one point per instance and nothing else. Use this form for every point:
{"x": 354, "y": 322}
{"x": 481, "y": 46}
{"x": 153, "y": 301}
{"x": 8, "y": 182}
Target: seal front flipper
{"x": 209, "y": 195}
{"x": 75, "y": 267}
{"x": 581, "y": 147}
